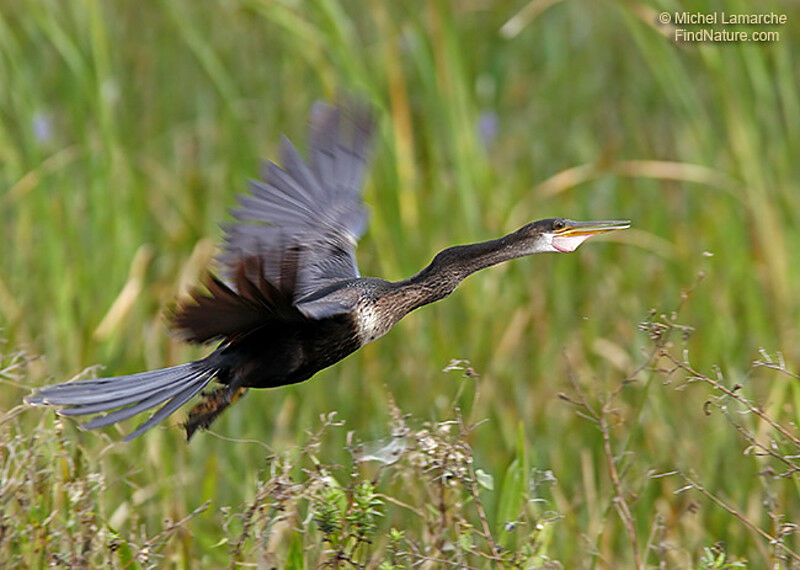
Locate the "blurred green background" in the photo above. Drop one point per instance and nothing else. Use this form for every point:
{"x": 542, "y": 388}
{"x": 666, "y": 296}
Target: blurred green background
{"x": 126, "y": 130}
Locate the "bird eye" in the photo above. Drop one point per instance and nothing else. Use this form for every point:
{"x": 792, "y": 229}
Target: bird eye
{"x": 558, "y": 225}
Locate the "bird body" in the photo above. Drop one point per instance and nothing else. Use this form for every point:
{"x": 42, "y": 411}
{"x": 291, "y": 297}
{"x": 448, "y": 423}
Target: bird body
{"x": 290, "y": 301}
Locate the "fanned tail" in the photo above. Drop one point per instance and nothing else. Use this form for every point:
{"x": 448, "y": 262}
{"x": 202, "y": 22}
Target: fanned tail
{"x": 128, "y": 395}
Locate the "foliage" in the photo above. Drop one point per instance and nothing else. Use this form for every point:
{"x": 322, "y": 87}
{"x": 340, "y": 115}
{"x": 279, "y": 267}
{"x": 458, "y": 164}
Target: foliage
{"x": 126, "y": 129}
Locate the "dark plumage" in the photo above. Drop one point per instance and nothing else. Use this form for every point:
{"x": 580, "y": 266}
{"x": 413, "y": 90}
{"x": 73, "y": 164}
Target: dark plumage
{"x": 290, "y": 300}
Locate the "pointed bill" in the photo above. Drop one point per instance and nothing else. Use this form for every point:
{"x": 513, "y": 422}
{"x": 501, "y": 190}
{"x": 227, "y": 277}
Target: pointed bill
{"x": 575, "y": 233}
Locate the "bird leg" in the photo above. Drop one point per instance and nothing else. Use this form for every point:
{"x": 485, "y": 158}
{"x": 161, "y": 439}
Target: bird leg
{"x": 215, "y": 402}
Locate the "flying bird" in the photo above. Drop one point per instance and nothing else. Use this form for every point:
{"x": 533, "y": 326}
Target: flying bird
{"x": 289, "y": 299}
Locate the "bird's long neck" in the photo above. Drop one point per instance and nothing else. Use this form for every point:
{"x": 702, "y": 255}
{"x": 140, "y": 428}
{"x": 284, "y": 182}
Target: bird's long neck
{"x": 450, "y": 267}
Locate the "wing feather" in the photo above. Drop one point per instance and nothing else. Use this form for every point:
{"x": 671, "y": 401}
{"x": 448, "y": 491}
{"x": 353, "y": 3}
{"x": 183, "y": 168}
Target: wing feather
{"x": 294, "y": 234}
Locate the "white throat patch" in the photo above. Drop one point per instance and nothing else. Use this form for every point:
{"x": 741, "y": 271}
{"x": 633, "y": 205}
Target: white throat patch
{"x": 566, "y": 244}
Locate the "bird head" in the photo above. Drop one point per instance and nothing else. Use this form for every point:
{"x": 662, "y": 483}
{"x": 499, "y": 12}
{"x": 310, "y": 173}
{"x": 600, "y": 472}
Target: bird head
{"x": 563, "y": 236}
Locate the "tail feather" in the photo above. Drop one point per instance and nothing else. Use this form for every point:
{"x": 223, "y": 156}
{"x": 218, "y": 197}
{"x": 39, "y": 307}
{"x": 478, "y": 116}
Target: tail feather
{"x": 104, "y": 406}
{"x": 95, "y": 391}
{"x": 150, "y": 401}
{"x": 175, "y": 403}
{"x": 127, "y": 396}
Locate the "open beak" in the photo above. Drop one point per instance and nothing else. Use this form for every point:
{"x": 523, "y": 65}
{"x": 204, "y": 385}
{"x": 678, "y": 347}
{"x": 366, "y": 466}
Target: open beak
{"x": 575, "y": 233}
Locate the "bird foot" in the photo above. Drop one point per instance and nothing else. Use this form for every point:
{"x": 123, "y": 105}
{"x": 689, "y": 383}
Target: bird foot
{"x": 215, "y": 402}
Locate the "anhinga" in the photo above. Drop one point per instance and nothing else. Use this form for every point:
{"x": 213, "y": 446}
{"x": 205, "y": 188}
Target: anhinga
{"x": 290, "y": 301}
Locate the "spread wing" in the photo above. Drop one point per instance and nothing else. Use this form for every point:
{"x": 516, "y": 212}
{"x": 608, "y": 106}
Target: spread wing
{"x": 295, "y": 232}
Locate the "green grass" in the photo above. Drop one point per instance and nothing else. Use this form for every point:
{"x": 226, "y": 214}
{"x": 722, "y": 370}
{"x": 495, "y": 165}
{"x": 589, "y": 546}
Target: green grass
{"x": 127, "y": 129}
